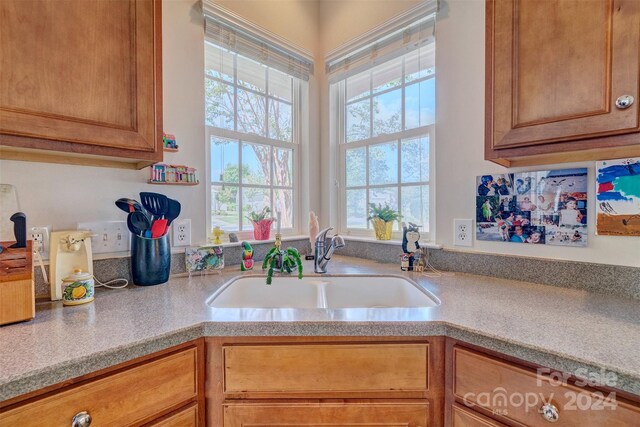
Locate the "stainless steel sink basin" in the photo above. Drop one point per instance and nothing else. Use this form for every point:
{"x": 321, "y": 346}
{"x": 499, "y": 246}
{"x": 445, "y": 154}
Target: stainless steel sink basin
{"x": 323, "y": 292}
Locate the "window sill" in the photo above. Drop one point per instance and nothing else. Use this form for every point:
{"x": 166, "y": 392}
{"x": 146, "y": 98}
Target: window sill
{"x": 257, "y": 242}
{"x": 428, "y": 245}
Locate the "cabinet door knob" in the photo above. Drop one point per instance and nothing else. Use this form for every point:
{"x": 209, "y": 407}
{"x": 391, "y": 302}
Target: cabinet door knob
{"x": 549, "y": 412}
{"x": 81, "y": 419}
{"x": 625, "y": 101}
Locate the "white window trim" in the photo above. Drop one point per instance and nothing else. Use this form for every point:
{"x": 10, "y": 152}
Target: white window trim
{"x": 297, "y": 145}
{"x": 339, "y": 144}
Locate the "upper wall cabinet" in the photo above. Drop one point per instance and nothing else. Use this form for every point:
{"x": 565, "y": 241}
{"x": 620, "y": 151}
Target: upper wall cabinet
{"x": 80, "y": 81}
{"x": 562, "y": 80}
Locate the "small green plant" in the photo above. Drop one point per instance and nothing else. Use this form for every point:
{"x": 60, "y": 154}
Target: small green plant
{"x": 290, "y": 261}
{"x": 385, "y": 212}
{"x": 259, "y": 216}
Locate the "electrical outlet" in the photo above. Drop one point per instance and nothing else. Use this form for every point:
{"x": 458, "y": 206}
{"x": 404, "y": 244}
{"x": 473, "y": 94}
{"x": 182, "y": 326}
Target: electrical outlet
{"x": 110, "y": 236}
{"x": 463, "y": 232}
{"x": 181, "y": 229}
{"x": 40, "y": 237}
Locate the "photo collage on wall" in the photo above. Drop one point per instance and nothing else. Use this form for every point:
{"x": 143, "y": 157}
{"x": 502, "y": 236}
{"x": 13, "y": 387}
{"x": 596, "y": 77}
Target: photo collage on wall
{"x": 542, "y": 207}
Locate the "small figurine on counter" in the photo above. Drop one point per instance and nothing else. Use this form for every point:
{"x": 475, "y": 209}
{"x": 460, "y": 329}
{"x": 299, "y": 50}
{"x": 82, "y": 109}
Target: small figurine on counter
{"x": 247, "y": 257}
{"x": 233, "y": 238}
{"x": 410, "y": 245}
{"x": 215, "y": 235}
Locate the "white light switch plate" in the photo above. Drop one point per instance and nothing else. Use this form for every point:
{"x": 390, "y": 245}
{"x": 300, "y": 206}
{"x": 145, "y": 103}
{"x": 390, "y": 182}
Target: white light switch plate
{"x": 463, "y": 232}
{"x": 110, "y": 236}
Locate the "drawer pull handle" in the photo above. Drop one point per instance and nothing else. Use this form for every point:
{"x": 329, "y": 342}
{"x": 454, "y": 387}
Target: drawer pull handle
{"x": 549, "y": 412}
{"x": 81, "y": 419}
{"x": 625, "y": 101}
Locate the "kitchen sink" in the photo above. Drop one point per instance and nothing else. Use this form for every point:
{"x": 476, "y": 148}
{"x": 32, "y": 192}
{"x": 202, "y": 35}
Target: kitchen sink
{"x": 323, "y": 292}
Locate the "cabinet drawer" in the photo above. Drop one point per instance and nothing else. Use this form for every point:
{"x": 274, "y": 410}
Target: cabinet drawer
{"x": 463, "y": 417}
{"x": 327, "y": 414}
{"x": 517, "y": 394}
{"x": 120, "y": 399}
{"x": 325, "y": 368}
{"x": 187, "y": 417}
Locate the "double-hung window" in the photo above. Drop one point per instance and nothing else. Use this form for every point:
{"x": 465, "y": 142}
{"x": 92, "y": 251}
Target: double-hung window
{"x": 385, "y": 122}
{"x": 252, "y": 116}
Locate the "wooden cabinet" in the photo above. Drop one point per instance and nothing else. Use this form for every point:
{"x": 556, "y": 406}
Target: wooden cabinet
{"x": 518, "y": 395}
{"x": 554, "y": 73}
{"x": 463, "y": 417}
{"x": 187, "y": 417}
{"x": 81, "y": 82}
{"x": 138, "y": 393}
{"x": 312, "y": 381}
{"x": 327, "y": 414}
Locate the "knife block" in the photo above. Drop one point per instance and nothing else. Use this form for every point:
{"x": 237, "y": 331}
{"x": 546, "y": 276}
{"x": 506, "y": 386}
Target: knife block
{"x": 17, "y": 295}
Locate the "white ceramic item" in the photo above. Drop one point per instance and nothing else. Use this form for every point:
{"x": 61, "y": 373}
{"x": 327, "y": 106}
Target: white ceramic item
{"x": 78, "y": 288}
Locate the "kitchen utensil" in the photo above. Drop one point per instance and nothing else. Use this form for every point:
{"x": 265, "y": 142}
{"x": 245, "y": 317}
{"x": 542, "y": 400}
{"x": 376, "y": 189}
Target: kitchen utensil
{"x": 129, "y": 205}
{"x": 173, "y": 211}
{"x": 138, "y": 223}
{"x": 158, "y": 228}
{"x": 19, "y": 230}
{"x": 156, "y": 204}
{"x": 68, "y": 250}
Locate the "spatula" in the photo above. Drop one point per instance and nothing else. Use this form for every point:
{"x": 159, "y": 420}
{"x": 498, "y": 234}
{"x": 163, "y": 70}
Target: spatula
{"x": 156, "y": 204}
{"x": 173, "y": 211}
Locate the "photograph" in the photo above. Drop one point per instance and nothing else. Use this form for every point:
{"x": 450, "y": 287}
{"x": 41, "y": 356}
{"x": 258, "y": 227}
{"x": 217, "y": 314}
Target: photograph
{"x": 495, "y": 185}
{"x": 487, "y": 208}
{"x": 566, "y": 236}
{"x": 544, "y": 207}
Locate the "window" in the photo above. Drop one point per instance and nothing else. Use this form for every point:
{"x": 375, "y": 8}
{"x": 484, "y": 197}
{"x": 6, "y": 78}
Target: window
{"x": 251, "y": 113}
{"x": 386, "y": 132}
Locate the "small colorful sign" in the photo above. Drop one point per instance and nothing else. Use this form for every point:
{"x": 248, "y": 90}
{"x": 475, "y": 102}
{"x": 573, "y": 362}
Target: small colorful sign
{"x": 618, "y": 196}
{"x": 542, "y": 207}
{"x": 204, "y": 258}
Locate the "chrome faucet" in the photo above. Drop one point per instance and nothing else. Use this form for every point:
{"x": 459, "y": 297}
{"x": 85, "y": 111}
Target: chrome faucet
{"x": 323, "y": 256}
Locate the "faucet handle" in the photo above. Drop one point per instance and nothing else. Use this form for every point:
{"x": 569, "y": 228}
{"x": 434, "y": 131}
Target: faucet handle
{"x": 322, "y": 235}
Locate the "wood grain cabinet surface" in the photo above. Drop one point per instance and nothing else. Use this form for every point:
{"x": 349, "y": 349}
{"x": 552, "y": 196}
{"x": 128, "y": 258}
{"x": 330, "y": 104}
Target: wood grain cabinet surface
{"x": 327, "y": 414}
{"x": 554, "y": 73}
{"x": 516, "y": 395}
{"x": 168, "y": 386}
{"x": 81, "y": 81}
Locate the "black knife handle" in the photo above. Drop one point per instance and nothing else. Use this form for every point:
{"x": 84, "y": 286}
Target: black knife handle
{"x": 19, "y": 229}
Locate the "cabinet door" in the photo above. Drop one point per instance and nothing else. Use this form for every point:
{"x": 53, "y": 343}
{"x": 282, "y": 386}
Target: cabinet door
{"x": 81, "y": 76}
{"x": 321, "y": 414}
{"x": 558, "y": 68}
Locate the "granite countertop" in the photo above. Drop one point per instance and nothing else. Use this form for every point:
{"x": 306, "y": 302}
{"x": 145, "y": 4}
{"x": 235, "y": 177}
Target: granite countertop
{"x": 564, "y": 329}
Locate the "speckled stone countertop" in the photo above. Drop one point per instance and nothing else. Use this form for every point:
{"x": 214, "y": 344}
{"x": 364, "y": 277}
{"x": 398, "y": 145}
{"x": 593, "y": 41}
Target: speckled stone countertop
{"x": 564, "y": 329}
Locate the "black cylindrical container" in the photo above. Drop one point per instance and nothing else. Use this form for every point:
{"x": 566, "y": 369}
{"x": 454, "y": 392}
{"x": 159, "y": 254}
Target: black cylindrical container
{"x": 150, "y": 260}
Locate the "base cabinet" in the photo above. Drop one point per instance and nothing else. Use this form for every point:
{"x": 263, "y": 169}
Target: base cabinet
{"x": 463, "y": 417}
{"x": 327, "y": 414}
{"x": 164, "y": 389}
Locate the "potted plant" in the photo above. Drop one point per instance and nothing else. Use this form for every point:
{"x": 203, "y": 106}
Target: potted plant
{"x": 261, "y": 223}
{"x": 382, "y": 218}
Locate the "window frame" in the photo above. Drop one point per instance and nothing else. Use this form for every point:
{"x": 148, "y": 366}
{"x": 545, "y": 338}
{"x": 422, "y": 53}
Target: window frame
{"x": 241, "y": 137}
{"x": 339, "y": 115}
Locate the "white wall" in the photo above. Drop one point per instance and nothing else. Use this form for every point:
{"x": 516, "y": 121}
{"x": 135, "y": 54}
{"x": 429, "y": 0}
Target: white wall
{"x": 460, "y": 144}
{"x": 63, "y": 195}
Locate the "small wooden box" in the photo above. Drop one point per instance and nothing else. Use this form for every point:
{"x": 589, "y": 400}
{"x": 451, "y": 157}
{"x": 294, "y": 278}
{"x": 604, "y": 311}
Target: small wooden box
{"x": 17, "y": 295}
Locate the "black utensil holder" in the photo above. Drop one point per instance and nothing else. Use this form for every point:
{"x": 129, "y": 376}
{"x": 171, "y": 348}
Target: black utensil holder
{"x": 150, "y": 260}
